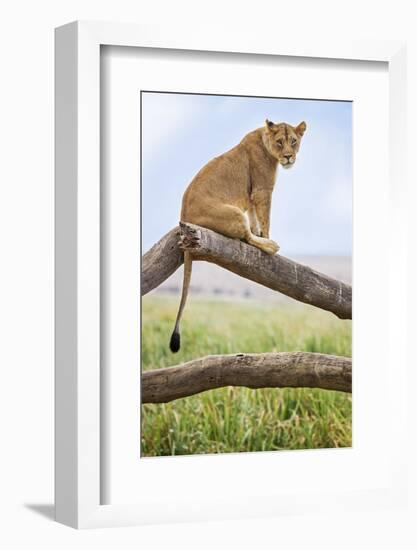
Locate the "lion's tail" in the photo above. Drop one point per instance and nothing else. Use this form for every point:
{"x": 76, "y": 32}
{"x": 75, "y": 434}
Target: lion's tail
{"x": 175, "y": 341}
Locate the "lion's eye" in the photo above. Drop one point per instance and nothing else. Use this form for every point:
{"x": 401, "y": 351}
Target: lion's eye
{"x": 279, "y": 142}
{"x": 293, "y": 142}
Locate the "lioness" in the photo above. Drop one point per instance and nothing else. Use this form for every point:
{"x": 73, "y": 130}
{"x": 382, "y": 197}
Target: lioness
{"x": 232, "y": 193}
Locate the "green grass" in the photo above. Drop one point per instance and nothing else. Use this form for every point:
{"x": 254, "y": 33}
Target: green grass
{"x": 240, "y": 419}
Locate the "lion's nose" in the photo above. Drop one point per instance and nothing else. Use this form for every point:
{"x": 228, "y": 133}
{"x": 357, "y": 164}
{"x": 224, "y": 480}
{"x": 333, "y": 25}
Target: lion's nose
{"x": 287, "y": 157}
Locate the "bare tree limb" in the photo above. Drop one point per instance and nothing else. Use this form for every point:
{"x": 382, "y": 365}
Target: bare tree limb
{"x": 277, "y": 272}
{"x": 263, "y": 370}
{"x": 161, "y": 261}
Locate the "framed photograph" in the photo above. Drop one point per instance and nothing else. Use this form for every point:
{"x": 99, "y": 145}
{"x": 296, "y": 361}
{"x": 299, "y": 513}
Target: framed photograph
{"x": 217, "y": 200}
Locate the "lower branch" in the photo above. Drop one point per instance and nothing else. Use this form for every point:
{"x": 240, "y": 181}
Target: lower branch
{"x": 263, "y": 370}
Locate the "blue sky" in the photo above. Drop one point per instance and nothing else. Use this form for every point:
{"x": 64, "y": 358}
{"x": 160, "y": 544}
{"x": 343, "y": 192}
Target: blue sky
{"x": 312, "y": 202}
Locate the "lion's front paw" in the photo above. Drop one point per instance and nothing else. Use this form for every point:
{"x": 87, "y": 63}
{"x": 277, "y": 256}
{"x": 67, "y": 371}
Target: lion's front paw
{"x": 270, "y": 247}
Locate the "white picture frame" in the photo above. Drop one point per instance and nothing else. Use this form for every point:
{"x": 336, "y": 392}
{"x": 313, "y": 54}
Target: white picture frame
{"x": 78, "y": 411}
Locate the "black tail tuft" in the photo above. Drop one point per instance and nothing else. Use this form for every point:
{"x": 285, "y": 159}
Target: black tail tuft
{"x": 175, "y": 342}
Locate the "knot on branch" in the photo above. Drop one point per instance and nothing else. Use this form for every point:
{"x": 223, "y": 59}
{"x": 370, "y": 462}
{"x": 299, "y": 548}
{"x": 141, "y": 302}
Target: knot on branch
{"x": 190, "y": 237}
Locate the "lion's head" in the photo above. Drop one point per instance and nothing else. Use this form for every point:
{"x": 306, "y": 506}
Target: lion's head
{"x": 283, "y": 141}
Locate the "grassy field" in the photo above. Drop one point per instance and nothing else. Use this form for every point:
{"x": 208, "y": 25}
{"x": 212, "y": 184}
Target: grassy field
{"x": 240, "y": 419}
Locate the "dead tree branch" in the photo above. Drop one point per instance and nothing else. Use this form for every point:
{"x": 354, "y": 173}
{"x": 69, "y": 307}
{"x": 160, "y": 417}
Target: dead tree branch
{"x": 161, "y": 261}
{"x": 263, "y": 370}
{"x": 276, "y": 272}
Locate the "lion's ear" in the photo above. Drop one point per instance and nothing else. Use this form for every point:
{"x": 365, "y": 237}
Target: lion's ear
{"x": 268, "y": 124}
{"x": 301, "y": 128}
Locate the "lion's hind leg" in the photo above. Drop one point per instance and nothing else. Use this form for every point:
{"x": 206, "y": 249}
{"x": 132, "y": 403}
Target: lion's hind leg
{"x": 231, "y": 221}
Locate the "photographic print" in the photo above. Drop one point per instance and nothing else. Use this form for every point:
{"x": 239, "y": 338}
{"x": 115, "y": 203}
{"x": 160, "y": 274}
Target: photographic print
{"x": 246, "y": 220}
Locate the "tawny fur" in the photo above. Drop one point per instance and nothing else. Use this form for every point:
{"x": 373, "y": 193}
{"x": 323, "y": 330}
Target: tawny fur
{"x": 232, "y": 193}
{"x": 241, "y": 181}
